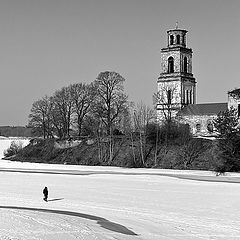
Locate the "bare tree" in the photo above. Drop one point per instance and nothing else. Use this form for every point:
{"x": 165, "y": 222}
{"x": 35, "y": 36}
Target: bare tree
{"x": 39, "y": 117}
{"x": 167, "y": 102}
{"x": 111, "y": 101}
{"x": 142, "y": 116}
{"x": 129, "y": 129}
{"x": 191, "y": 150}
{"x": 83, "y": 98}
{"x": 62, "y": 111}
{"x": 56, "y": 120}
{"x": 111, "y": 97}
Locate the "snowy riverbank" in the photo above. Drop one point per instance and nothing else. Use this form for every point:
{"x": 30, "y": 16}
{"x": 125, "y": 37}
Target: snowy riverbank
{"x": 5, "y": 143}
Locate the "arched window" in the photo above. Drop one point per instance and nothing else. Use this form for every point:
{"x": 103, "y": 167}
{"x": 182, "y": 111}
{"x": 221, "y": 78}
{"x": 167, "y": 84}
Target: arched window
{"x": 169, "y": 96}
{"x": 187, "y": 96}
{"x": 183, "y": 96}
{"x": 209, "y": 126}
{"x": 170, "y": 65}
{"x": 171, "y": 39}
{"x": 178, "y": 39}
{"x": 184, "y": 40}
{"x": 185, "y": 65}
{"x": 190, "y": 96}
{"x": 198, "y": 127}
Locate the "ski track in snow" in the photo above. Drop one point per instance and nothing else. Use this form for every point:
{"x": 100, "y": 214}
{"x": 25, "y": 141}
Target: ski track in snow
{"x": 140, "y": 201}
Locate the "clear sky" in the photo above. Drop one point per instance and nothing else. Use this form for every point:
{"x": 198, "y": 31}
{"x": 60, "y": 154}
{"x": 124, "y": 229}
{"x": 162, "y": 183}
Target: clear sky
{"x": 48, "y": 44}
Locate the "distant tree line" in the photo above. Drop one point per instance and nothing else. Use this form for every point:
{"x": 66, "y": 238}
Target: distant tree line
{"x": 15, "y": 131}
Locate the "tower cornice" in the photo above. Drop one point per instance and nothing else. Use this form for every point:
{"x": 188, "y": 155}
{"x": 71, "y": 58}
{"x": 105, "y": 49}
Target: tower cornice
{"x": 176, "y": 74}
{"x": 182, "y": 77}
{"x": 177, "y": 30}
{"x": 177, "y": 49}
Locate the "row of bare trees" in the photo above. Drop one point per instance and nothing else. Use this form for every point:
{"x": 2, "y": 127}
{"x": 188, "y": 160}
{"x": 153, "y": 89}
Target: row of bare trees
{"x": 58, "y": 114}
{"x": 100, "y": 109}
{"x": 100, "y": 102}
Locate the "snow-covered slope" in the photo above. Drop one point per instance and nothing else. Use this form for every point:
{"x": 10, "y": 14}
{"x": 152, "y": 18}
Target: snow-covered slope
{"x": 6, "y": 142}
{"x": 113, "y": 203}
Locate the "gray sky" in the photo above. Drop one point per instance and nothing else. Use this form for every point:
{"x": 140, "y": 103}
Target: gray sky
{"x": 48, "y": 44}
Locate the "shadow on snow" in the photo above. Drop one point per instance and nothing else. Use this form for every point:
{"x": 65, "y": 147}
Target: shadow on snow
{"x": 104, "y": 223}
{"x": 54, "y": 199}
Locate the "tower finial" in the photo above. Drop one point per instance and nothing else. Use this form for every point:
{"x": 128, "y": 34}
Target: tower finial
{"x": 176, "y": 24}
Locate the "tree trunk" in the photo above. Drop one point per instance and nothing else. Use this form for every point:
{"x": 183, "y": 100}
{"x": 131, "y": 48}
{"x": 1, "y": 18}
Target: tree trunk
{"x": 134, "y": 158}
{"x": 110, "y": 146}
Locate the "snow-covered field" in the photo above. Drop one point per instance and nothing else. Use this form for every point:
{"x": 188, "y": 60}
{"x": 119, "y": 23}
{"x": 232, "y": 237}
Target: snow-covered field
{"x": 115, "y": 203}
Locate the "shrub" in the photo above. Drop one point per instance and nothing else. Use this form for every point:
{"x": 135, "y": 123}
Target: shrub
{"x": 168, "y": 133}
{"x": 168, "y": 157}
{"x": 190, "y": 152}
{"x": 15, "y": 147}
{"x": 227, "y": 125}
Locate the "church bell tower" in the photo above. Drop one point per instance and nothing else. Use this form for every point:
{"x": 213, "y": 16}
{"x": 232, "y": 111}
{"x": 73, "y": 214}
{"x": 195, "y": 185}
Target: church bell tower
{"x": 176, "y": 84}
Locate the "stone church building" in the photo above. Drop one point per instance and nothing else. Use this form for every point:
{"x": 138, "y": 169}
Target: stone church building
{"x": 176, "y": 95}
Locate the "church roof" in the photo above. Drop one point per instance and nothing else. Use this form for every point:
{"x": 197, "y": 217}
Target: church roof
{"x": 203, "y": 109}
{"x": 234, "y": 93}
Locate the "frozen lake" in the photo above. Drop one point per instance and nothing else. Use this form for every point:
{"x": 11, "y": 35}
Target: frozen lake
{"x": 114, "y": 203}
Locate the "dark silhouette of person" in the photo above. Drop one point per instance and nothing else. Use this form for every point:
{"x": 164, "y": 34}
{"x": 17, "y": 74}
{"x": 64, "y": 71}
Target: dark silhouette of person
{"x": 45, "y": 193}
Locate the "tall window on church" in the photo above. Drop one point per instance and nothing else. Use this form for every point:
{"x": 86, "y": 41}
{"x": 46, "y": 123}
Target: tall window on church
{"x": 170, "y": 65}
{"x": 171, "y": 39}
{"x": 209, "y": 126}
{"x": 198, "y": 127}
{"x": 185, "y": 65}
{"x": 178, "y": 39}
{"x": 190, "y": 96}
{"x": 169, "y": 97}
{"x": 183, "y": 97}
{"x": 187, "y": 96}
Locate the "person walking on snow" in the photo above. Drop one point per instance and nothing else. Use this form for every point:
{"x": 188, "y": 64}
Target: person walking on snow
{"x": 45, "y": 193}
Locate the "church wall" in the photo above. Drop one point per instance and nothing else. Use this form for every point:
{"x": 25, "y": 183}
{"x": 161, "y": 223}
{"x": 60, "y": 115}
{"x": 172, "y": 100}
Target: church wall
{"x": 233, "y": 102}
{"x": 175, "y": 87}
{"x": 161, "y": 114}
{"x": 178, "y": 61}
{"x": 203, "y": 120}
{"x": 189, "y": 62}
{"x": 163, "y": 87}
{"x": 189, "y": 86}
{"x": 164, "y": 61}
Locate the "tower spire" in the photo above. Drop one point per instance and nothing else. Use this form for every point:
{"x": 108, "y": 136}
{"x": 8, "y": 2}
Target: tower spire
{"x": 176, "y": 24}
